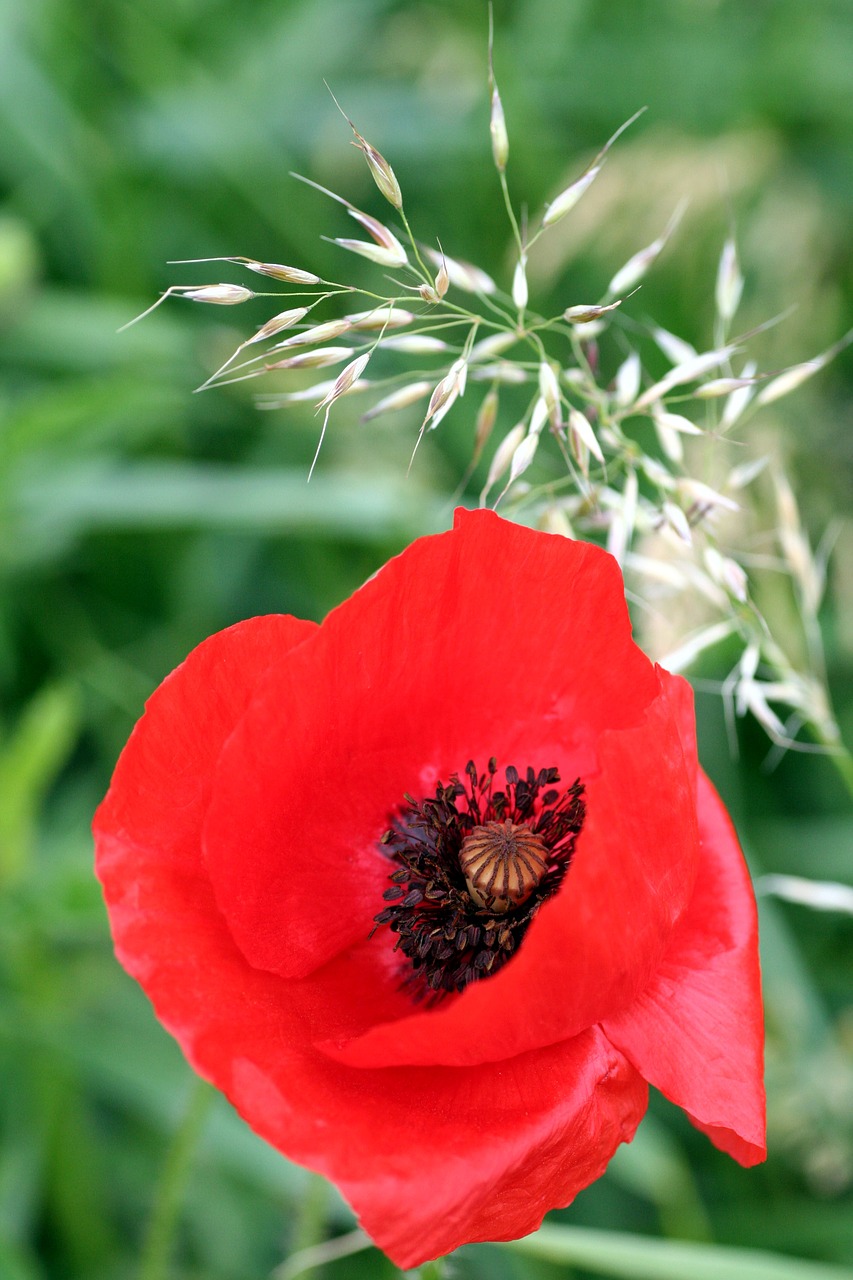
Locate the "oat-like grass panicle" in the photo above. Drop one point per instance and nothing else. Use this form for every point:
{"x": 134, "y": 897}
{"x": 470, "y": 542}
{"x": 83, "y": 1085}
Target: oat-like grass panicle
{"x": 650, "y": 461}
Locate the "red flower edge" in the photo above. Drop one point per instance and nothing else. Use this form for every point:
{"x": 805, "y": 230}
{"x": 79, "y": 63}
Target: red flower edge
{"x": 467, "y": 1121}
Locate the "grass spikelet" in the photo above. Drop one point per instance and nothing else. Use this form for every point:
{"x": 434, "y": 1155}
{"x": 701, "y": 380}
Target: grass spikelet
{"x": 399, "y": 399}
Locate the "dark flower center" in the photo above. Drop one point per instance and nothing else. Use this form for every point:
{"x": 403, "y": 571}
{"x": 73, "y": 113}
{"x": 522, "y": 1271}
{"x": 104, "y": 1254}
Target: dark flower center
{"x": 471, "y": 867}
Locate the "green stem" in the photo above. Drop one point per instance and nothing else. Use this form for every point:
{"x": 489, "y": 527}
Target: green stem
{"x": 433, "y": 1270}
{"x": 319, "y": 1254}
{"x": 413, "y": 242}
{"x": 842, "y": 759}
{"x": 160, "y": 1236}
{"x": 511, "y": 213}
{"x": 310, "y": 1226}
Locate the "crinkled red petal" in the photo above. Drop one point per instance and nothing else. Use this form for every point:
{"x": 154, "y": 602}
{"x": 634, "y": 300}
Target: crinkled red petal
{"x": 697, "y": 1031}
{"x": 162, "y": 783}
{"x": 484, "y": 1154}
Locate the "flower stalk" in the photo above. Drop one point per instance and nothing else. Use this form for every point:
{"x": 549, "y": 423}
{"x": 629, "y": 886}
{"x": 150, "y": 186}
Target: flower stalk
{"x": 155, "y": 1262}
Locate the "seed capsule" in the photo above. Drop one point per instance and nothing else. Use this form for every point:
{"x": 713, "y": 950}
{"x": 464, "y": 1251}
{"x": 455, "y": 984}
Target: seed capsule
{"x": 503, "y": 863}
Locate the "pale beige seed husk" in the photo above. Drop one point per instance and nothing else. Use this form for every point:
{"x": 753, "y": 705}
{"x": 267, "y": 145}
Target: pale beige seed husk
{"x": 413, "y": 344}
{"x": 579, "y": 423}
{"x": 721, "y": 387}
{"x": 689, "y": 371}
{"x": 567, "y": 199}
{"x": 539, "y": 416}
{"x": 381, "y": 172}
{"x": 674, "y": 348}
{"x": 549, "y": 389}
{"x": 398, "y": 399}
{"x": 670, "y": 441}
{"x": 313, "y": 359}
{"x": 497, "y": 128}
{"x": 463, "y": 274}
{"x": 317, "y": 333}
{"x": 374, "y": 252}
{"x": 729, "y": 285}
{"x": 788, "y": 381}
{"x": 278, "y": 271}
{"x": 676, "y": 422}
{"x": 494, "y": 345}
{"x": 628, "y": 379}
{"x": 520, "y": 292}
{"x": 523, "y": 457}
{"x": 504, "y": 453}
{"x": 583, "y": 313}
{"x": 223, "y": 295}
{"x": 501, "y": 371}
{"x": 345, "y": 380}
{"x": 486, "y": 418}
{"x": 284, "y": 320}
{"x": 381, "y": 234}
{"x": 382, "y": 317}
{"x": 702, "y": 493}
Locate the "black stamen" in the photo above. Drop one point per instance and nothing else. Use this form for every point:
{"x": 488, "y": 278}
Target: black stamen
{"x": 448, "y": 937}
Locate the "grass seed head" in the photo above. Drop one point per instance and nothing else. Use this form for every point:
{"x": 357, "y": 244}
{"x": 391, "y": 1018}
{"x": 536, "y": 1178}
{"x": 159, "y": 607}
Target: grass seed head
{"x": 636, "y": 267}
{"x": 223, "y": 295}
{"x": 501, "y": 371}
{"x": 520, "y": 292}
{"x": 317, "y": 333}
{"x": 381, "y": 317}
{"x": 399, "y": 399}
{"x": 549, "y": 389}
{"x": 277, "y": 271}
{"x": 442, "y": 279}
{"x": 345, "y": 380}
{"x": 382, "y": 256}
{"x": 721, "y": 387}
{"x": 502, "y": 456}
{"x": 312, "y": 359}
{"x": 582, "y": 314}
{"x": 497, "y": 127}
{"x": 581, "y": 433}
{"x": 729, "y": 286}
{"x": 494, "y": 345}
{"x": 284, "y": 320}
{"x": 539, "y": 416}
{"x": 628, "y": 377}
{"x": 567, "y": 199}
{"x": 380, "y": 170}
{"x": 486, "y": 418}
{"x": 413, "y": 344}
{"x": 522, "y": 458}
{"x": 463, "y": 274}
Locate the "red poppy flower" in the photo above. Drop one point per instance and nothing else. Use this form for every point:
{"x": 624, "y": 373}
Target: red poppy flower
{"x": 444, "y": 985}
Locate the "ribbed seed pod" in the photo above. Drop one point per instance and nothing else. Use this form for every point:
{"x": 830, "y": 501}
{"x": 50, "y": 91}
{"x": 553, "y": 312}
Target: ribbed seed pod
{"x": 503, "y": 863}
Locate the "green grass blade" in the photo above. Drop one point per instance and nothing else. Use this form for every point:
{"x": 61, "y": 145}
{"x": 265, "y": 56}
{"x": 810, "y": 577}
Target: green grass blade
{"x": 635, "y": 1257}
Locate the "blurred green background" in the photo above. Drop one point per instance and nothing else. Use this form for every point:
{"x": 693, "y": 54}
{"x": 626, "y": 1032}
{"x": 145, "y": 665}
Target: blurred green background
{"x": 136, "y": 518}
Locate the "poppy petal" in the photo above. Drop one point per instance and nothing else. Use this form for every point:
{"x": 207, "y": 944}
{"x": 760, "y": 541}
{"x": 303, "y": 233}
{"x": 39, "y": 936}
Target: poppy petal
{"x": 497, "y": 1148}
{"x": 696, "y": 1032}
{"x": 161, "y": 784}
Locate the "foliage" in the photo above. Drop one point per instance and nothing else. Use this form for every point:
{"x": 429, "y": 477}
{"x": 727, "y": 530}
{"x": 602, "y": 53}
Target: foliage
{"x": 137, "y": 518}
